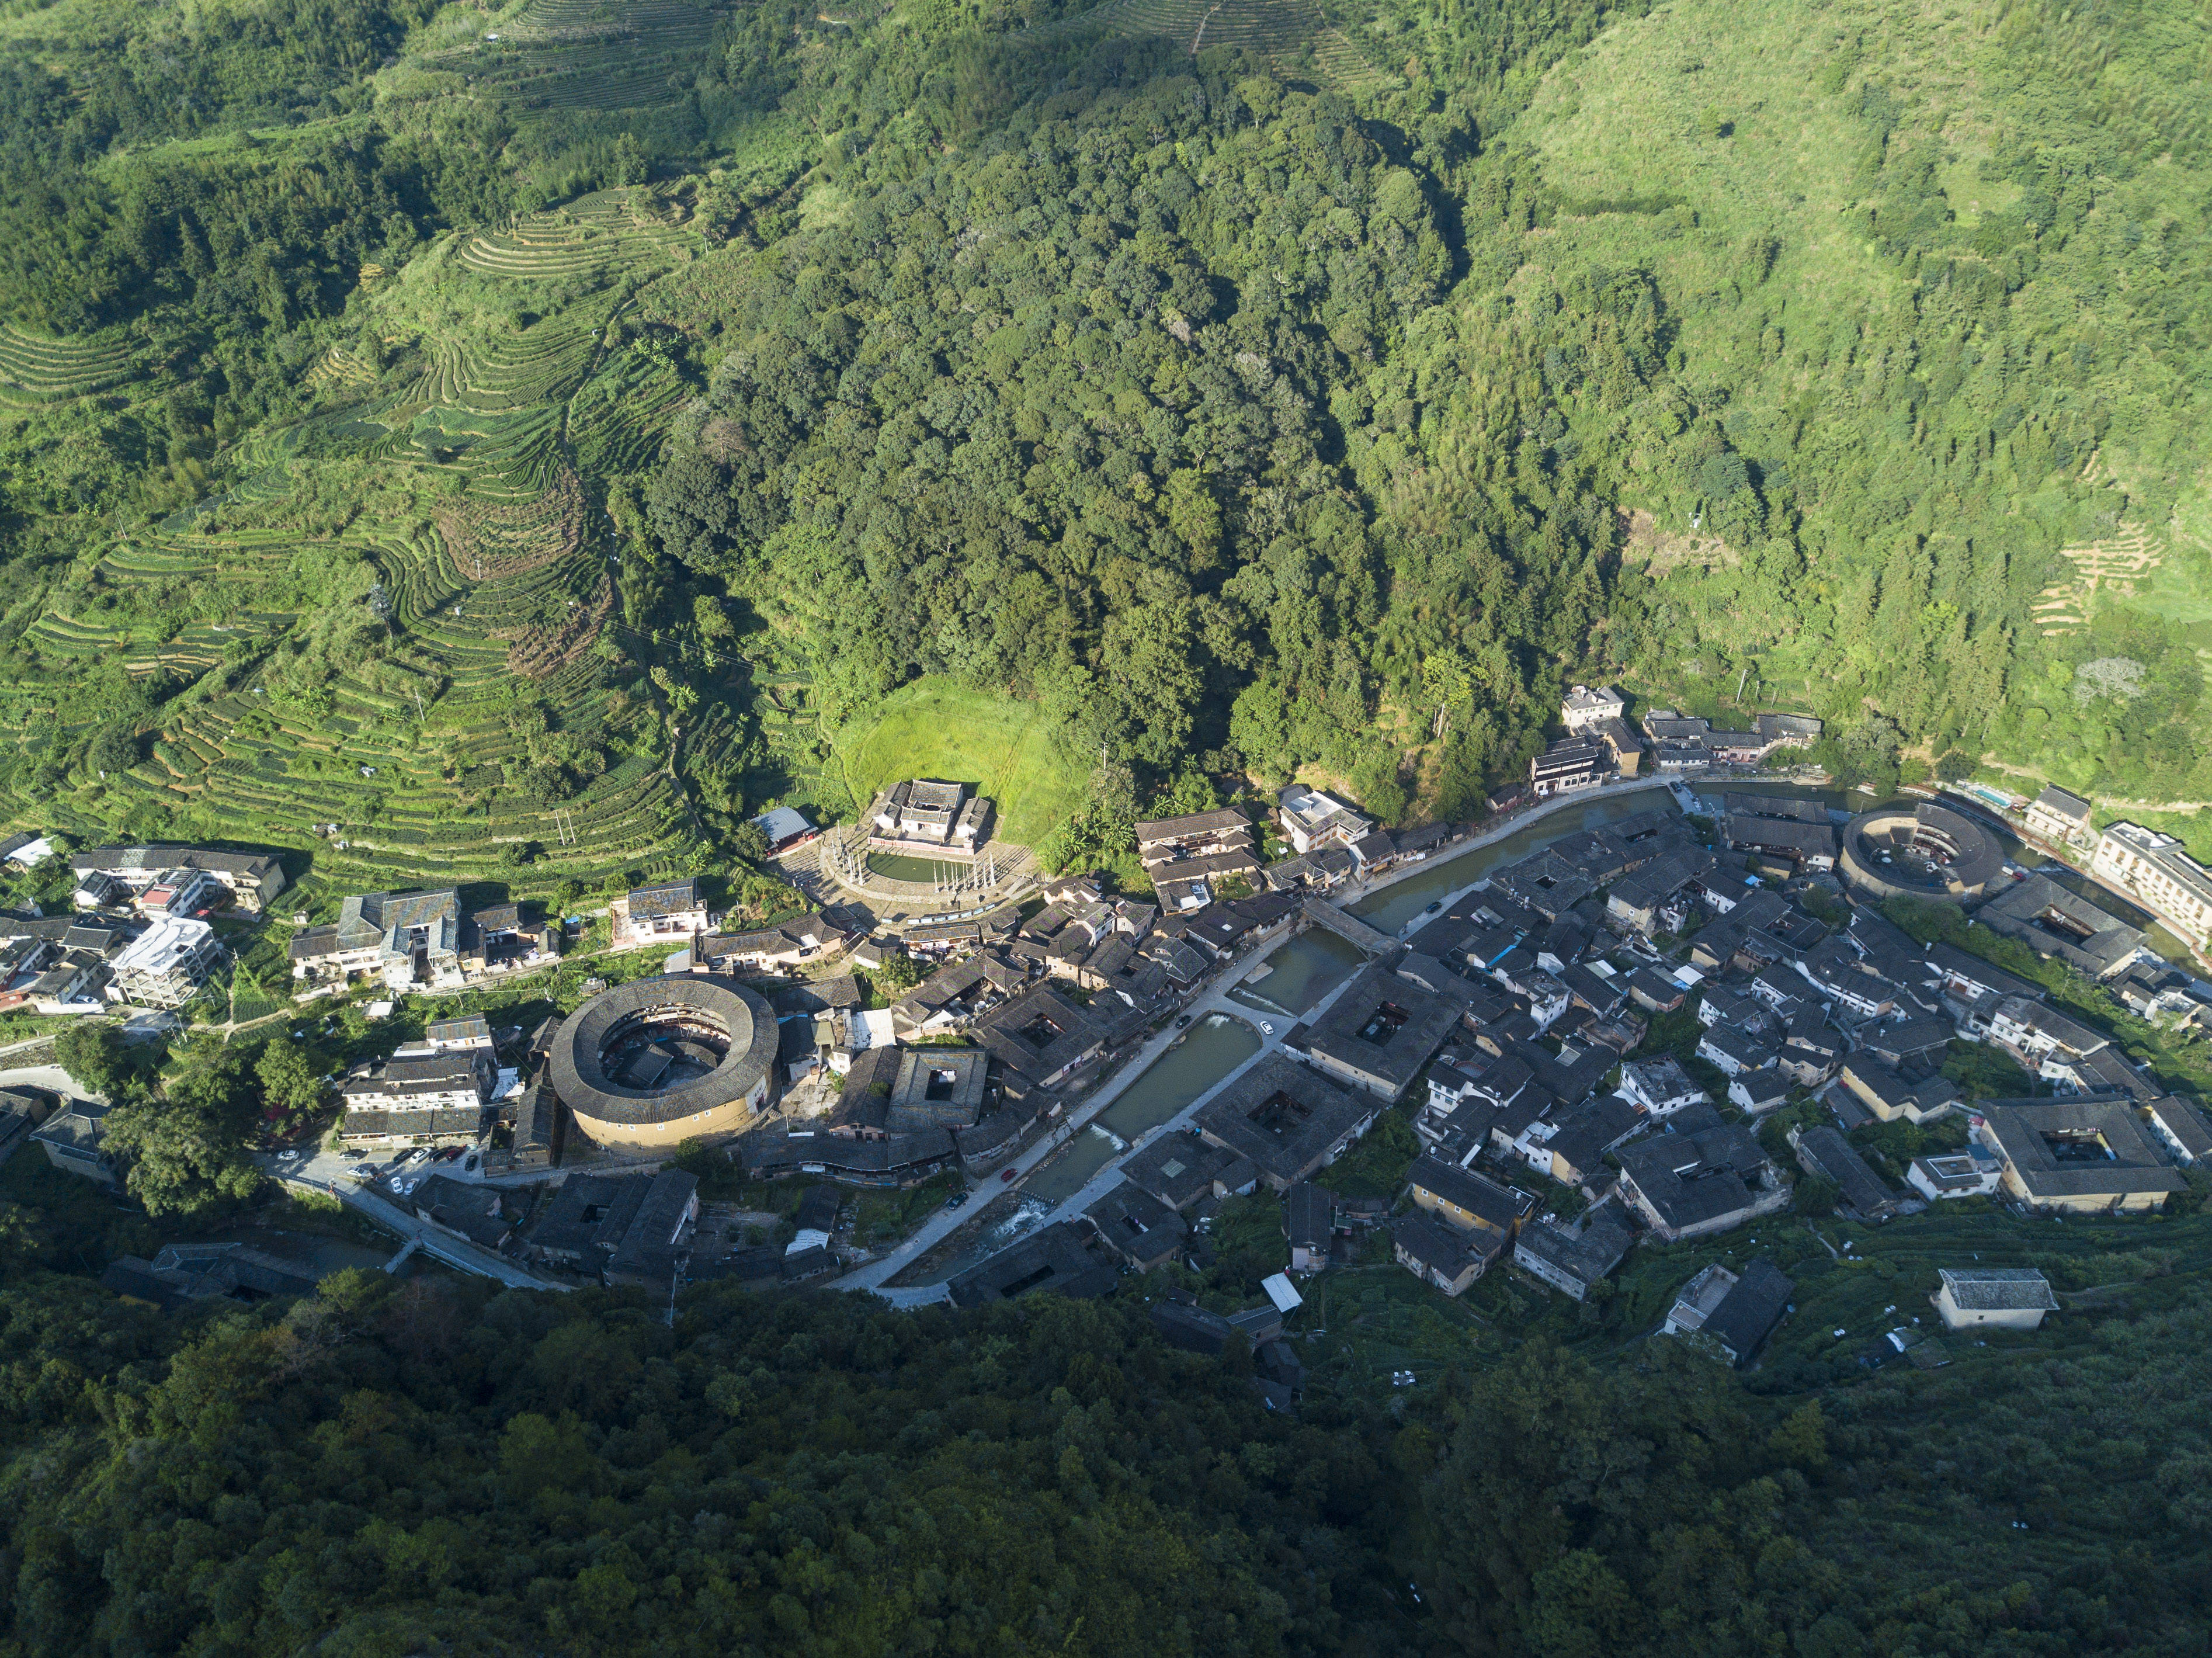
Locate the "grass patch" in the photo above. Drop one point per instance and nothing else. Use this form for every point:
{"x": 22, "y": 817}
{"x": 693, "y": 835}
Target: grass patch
{"x": 881, "y": 1216}
{"x": 998, "y": 747}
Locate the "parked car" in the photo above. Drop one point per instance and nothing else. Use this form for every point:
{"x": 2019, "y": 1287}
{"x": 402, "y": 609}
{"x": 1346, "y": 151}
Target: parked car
{"x": 469, "y": 1168}
{"x": 1433, "y": 908}
{"x": 363, "y": 1174}
{"x": 1009, "y": 1174}
{"x": 957, "y": 1200}
{"x": 1265, "y": 1029}
{"x": 1182, "y": 1018}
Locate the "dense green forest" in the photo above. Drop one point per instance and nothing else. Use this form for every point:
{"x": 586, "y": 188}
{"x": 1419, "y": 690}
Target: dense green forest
{"x": 543, "y": 434}
{"x": 428, "y": 1466}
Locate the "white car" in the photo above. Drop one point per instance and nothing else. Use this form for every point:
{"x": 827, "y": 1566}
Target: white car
{"x": 1265, "y": 1029}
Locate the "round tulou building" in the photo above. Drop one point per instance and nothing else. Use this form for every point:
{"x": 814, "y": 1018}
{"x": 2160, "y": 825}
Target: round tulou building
{"x": 645, "y": 1067}
{"x": 1925, "y": 850}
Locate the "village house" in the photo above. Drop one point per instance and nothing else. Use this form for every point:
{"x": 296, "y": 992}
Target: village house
{"x": 1971, "y": 990}
{"x": 668, "y": 912}
{"x": 409, "y": 939}
{"x": 620, "y": 1228}
{"x": 425, "y": 1099}
{"x": 1654, "y": 898}
{"x": 1753, "y": 823}
{"x": 1735, "y": 1312}
{"x": 1225, "y": 832}
{"x": 72, "y": 1141}
{"x": 1465, "y": 1199}
{"x": 1572, "y": 1149}
{"x": 1572, "y": 1259}
{"x": 782, "y": 946}
{"x": 2181, "y": 1127}
{"x": 253, "y": 880}
{"x": 1570, "y": 763}
{"x": 1825, "y": 1153}
{"x": 1733, "y": 1051}
{"x": 2062, "y": 818}
{"x": 927, "y": 815}
{"x": 1287, "y": 1119}
{"x": 2035, "y": 1033}
{"x": 1309, "y": 1225}
{"x": 1788, "y": 730}
{"x": 1443, "y": 1256}
{"x": 2009, "y": 1297}
{"x": 2078, "y": 1155}
{"x": 1888, "y": 1096}
{"x": 1810, "y": 1046}
{"x": 2054, "y": 921}
{"x": 1659, "y": 1087}
{"x": 1041, "y": 1035}
{"x": 1757, "y": 1092}
{"x": 1186, "y": 1172}
{"x": 1380, "y": 1032}
{"x": 1690, "y": 1185}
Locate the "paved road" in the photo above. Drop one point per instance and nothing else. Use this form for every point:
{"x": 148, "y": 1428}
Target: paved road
{"x": 322, "y": 1170}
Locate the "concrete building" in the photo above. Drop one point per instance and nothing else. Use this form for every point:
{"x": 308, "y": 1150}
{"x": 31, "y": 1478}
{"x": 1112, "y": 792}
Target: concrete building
{"x": 1970, "y": 1173}
{"x": 165, "y": 966}
{"x": 1313, "y": 818}
{"x": 2009, "y": 1297}
{"x": 2157, "y": 871}
{"x": 1585, "y": 707}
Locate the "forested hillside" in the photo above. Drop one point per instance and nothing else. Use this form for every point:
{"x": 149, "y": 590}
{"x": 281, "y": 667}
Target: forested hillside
{"x": 532, "y": 434}
{"x": 394, "y": 1469}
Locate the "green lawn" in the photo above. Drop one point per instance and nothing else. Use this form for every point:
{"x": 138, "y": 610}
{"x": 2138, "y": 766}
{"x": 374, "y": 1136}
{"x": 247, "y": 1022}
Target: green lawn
{"x": 998, "y": 747}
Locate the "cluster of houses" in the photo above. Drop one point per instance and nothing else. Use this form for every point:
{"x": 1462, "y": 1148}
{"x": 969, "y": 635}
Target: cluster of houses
{"x": 1536, "y": 1071}
{"x": 140, "y": 934}
{"x": 1601, "y": 743}
{"x": 2151, "y": 867}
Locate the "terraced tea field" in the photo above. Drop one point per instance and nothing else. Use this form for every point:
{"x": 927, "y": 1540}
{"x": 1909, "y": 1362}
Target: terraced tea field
{"x": 589, "y": 55}
{"x": 35, "y": 369}
{"x": 1287, "y": 32}
{"x": 473, "y": 463}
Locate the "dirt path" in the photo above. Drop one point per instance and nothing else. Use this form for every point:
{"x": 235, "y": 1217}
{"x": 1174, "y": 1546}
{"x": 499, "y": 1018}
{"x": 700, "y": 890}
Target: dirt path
{"x": 2115, "y": 802}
